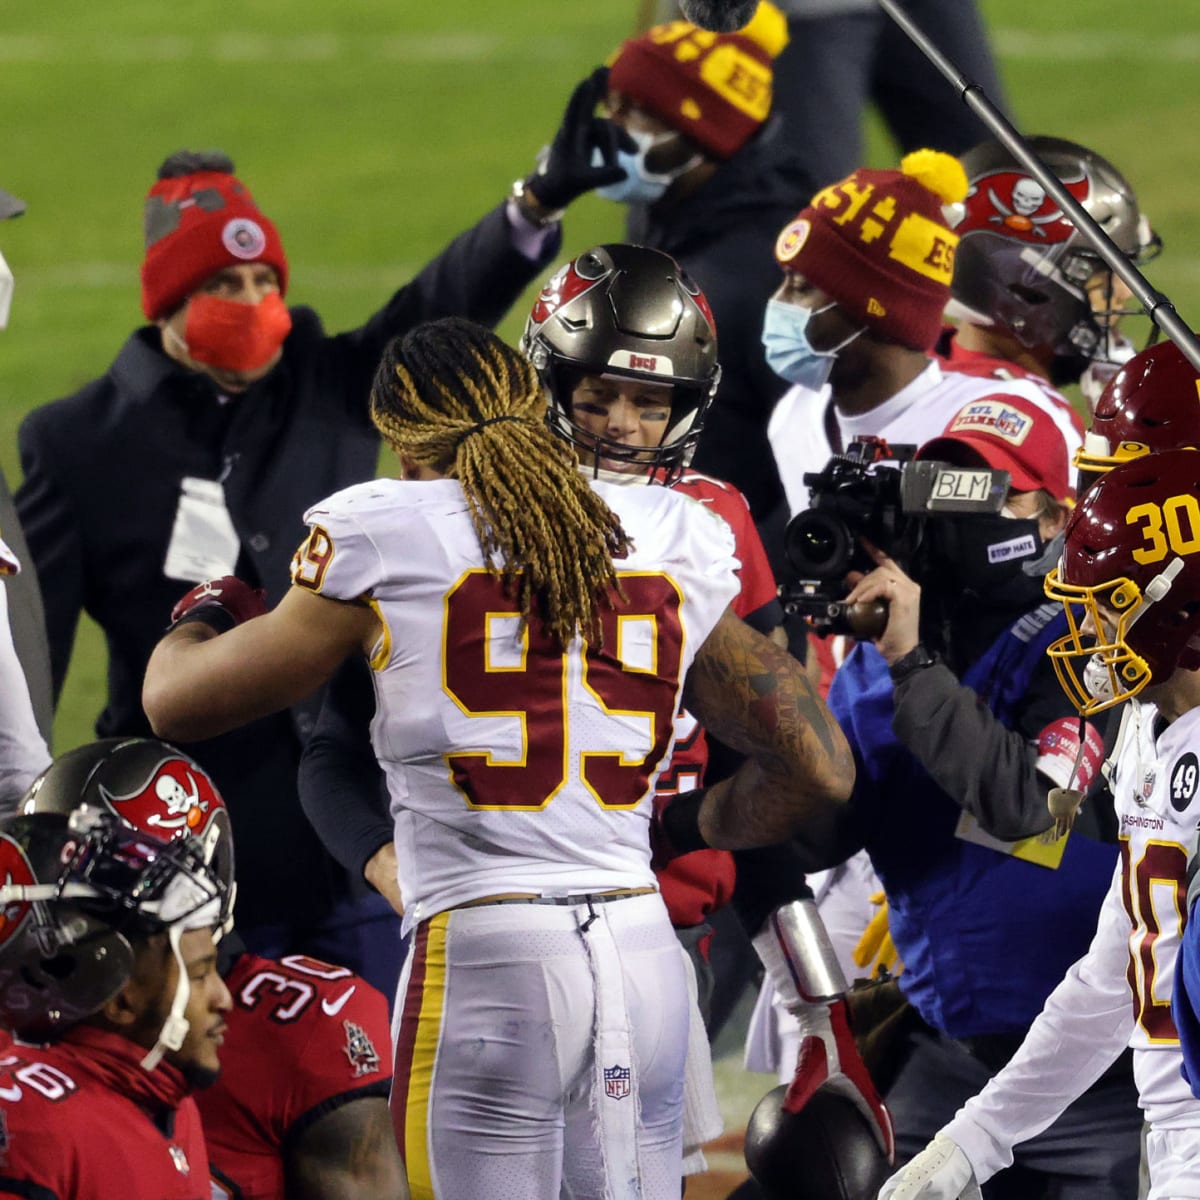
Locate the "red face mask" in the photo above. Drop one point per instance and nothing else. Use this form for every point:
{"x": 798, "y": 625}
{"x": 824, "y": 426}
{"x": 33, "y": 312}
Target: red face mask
{"x": 236, "y": 337}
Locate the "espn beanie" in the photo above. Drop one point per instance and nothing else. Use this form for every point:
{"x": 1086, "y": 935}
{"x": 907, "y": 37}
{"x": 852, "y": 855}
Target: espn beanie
{"x": 195, "y": 225}
{"x": 880, "y": 244}
{"x": 714, "y": 88}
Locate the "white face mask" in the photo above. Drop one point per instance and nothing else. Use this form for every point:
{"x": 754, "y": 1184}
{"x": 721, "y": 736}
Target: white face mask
{"x": 6, "y": 291}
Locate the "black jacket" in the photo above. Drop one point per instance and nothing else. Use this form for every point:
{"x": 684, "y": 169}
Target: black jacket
{"x": 102, "y": 481}
{"x": 724, "y": 235}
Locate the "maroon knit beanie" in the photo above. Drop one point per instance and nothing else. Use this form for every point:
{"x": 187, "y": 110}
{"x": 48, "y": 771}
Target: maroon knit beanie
{"x": 714, "y": 88}
{"x": 879, "y": 243}
{"x": 195, "y": 225}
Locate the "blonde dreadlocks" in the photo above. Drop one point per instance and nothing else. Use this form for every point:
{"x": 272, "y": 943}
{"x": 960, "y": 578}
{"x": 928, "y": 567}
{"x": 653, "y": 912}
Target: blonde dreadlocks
{"x": 453, "y": 396}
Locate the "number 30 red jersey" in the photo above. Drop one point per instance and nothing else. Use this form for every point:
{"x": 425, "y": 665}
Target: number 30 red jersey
{"x": 512, "y": 765}
{"x": 302, "y": 1038}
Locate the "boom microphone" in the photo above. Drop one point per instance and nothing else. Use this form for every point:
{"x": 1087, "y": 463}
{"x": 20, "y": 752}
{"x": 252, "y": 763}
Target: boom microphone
{"x": 1158, "y": 308}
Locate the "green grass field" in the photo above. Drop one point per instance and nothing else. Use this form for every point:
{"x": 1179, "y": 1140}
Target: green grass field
{"x": 373, "y": 132}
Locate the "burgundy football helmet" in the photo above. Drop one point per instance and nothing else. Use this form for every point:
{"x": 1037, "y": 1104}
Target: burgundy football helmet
{"x": 633, "y": 313}
{"x": 1022, "y": 265}
{"x": 1152, "y": 403}
{"x": 1129, "y": 581}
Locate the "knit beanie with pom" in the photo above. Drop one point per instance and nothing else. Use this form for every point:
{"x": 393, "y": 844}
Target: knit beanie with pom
{"x": 880, "y": 244}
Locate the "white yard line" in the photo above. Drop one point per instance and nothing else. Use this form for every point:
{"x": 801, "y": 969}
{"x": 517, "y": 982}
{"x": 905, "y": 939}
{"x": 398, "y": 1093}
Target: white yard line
{"x": 459, "y": 48}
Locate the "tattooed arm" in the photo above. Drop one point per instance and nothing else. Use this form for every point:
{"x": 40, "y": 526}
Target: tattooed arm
{"x": 346, "y": 1154}
{"x": 757, "y": 698}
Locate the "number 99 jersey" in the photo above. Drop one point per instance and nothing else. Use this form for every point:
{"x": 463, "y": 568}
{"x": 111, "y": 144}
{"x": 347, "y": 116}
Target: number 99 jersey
{"x": 513, "y": 765}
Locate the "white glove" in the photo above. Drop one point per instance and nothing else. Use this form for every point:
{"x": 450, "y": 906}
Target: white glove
{"x": 940, "y": 1172}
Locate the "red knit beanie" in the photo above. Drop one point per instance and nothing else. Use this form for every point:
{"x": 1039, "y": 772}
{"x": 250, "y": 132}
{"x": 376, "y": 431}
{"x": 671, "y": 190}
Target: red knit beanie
{"x": 880, "y": 244}
{"x": 195, "y": 225}
{"x": 714, "y": 88}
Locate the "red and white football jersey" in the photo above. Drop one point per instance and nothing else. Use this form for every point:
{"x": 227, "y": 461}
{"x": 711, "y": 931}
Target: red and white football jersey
{"x": 70, "y": 1130}
{"x": 302, "y": 1038}
{"x": 513, "y": 765}
{"x": 1119, "y": 993}
{"x": 804, "y": 421}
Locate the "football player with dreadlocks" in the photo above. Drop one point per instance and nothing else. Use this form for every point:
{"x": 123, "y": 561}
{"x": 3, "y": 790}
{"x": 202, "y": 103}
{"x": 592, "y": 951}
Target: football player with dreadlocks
{"x": 1129, "y": 583}
{"x": 622, "y": 340}
{"x": 544, "y": 1002}
{"x": 108, "y": 978}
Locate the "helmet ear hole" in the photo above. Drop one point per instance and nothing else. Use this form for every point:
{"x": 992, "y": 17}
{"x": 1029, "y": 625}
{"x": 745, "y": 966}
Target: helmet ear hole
{"x": 60, "y": 967}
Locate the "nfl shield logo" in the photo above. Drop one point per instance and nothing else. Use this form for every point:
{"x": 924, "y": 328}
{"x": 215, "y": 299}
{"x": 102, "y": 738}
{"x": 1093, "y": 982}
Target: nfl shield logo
{"x": 616, "y": 1082}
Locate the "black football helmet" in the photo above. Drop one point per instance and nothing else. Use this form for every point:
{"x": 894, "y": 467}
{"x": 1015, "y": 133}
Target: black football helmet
{"x": 1023, "y": 266}
{"x": 826, "y": 1151}
{"x": 77, "y": 891}
{"x": 633, "y": 313}
{"x": 149, "y": 785}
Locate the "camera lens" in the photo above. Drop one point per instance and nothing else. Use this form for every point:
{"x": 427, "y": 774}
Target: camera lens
{"x": 818, "y": 546}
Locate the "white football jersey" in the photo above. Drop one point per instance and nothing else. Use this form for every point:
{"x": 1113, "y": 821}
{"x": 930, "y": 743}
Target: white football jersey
{"x": 1156, "y": 785}
{"x": 511, "y": 765}
{"x": 800, "y": 426}
{"x": 1119, "y": 992}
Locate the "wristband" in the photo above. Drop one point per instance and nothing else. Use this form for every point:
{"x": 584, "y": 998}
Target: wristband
{"x": 531, "y": 208}
{"x": 915, "y": 660}
{"x": 213, "y": 615}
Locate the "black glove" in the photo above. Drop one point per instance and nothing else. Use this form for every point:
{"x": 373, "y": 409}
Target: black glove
{"x": 565, "y": 171}
{"x": 675, "y": 827}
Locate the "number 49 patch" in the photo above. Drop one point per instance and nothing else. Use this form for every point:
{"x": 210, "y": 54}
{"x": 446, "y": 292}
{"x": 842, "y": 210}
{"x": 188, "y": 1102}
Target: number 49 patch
{"x": 1185, "y": 776}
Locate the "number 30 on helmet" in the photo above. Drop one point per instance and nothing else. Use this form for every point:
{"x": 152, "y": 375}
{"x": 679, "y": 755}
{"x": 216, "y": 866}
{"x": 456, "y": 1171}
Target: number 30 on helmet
{"x": 1129, "y": 580}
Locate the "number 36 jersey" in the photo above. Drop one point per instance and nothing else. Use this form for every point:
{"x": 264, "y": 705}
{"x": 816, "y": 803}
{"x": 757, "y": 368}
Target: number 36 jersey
{"x": 514, "y": 766}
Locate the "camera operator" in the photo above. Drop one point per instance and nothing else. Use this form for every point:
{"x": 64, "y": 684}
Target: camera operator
{"x": 959, "y": 729}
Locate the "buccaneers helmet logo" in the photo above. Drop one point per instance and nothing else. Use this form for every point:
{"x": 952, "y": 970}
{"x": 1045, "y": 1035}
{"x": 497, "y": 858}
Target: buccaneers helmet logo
{"x": 14, "y": 871}
{"x": 1021, "y": 207}
{"x": 177, "y": 798}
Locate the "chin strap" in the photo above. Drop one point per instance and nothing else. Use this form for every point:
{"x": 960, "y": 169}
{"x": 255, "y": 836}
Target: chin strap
{"x": 175, "y": 1027}
{"x": 799, "y": 959}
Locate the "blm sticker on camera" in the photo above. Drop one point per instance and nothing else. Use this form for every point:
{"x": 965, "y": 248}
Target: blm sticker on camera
{"x": 1021, "y": 547}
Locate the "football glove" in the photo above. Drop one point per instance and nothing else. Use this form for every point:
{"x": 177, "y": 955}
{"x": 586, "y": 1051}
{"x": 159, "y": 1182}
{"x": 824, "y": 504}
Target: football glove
{"x": 795, "y": 949}
{"x": 828, "y": 1054}
{"x": 221, "y": 603}
{"x": 940, "y": 1172}
{"x": 566, "y": 168}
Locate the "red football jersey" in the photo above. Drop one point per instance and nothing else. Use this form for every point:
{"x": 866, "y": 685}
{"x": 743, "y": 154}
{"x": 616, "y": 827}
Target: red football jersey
{"x": 987, "y": 366}
{"x": 68, "y": 1131}
{"x": 303, "y": 1037}
{"x": 701, "y": 882}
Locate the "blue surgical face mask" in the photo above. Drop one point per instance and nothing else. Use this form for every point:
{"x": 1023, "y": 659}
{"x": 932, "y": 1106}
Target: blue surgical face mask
{"x": 640, "y": 185}
{"x": 789, "y": 352}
